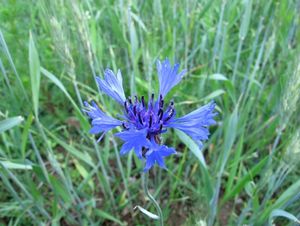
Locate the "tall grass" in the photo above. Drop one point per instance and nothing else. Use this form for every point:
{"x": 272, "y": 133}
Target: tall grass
{"x": 243, "y": 54}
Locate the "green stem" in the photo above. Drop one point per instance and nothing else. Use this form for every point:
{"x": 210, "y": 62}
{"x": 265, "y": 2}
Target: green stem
{"x": 152, "y": 199}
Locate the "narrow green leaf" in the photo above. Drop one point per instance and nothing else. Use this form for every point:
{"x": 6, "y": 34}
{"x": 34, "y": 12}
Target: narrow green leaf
{"x": 80, "y": 155}
{"x": 11, "y": 165}
{"x": 25, "y": 134}
{"x": 214, "y": 94}
{"x": 9, "y": 123}
{"x": 21, "y": 201}
{"x": 218, "y": 77}
{"x": 34, "y": 67}
{"x": 235, "y": 162}
{"x": 133, "y": 36}
{"x": 59, "y": 84}
{"x": 60, "y": 190}
{"x": 230, "y": 136}
{"x": 288, "y": 193}
{"x": 108, "y": 216}
{"x": 139, "y": 21}
{"x": 192, "y": 146}
{"x": 245, "y": 179}
{"x": 4, "y": 47}
{"x": 246, "y": 19}
{"x": 199, "y": 155}
{"x": 282, "y": 213}
{"x": 84, "y": 173}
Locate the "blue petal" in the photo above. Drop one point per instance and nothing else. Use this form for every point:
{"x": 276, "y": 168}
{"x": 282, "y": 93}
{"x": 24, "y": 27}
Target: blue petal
{"x": 168, "y": 76}
{"x": 112, "y": 85}
{"x": 100, "y": 121}
{"x": 166, "y": 151}
{"x": 196, "y": 123}
{"x": 150, "y": 161}
{"x": 134, "y": 139}
{"x": 156, "y": 155}
{"x": 126, "y": 147}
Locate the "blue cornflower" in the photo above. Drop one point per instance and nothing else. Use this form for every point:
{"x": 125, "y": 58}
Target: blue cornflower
{"x": 143, "y": 122}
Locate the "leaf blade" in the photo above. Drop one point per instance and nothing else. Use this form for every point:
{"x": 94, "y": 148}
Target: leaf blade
{"x": 9, "y": 123}
{"x": 35, "y": 75}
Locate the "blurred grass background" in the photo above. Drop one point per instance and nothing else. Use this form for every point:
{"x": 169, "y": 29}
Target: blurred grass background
{"x": 243, "y": 54}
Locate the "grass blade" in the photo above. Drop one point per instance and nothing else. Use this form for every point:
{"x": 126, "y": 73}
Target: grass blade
{"x": 35, "y": 75}
{"x": 9, "y": 123}
{"x": 12, "y": 165}
{"x": 192, "y": 146}
{"x": 108, "y": 216}
{"x": 282, "y": 213}
{"x": 7, "y": 53}
{"x": 245, "y": 179}
{"x": 59, "y": 84}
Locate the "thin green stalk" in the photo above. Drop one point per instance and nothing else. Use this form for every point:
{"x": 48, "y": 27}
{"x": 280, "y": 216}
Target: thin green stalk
{"x": 25, "y": 191}
{"x": 224, "y": 36}
{"x": 237, "y": 60}
{"x": 7, "y": 80}
{"x": 254, "y": 47}
{"x": 152, "y": 199}
{"x": 105, "y": 175}
{"x": 6, "y": 51}
{"x": 216, "y": 50}
{"x": 14, "y": 193}
{"x": 122, "y": 172}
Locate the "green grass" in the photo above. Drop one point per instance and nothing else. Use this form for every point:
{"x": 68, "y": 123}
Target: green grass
{"x": 243, "y": 54}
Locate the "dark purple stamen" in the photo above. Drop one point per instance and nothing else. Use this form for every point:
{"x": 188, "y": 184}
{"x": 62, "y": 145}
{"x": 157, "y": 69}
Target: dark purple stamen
{"x": 140, "y": 118}
{"x": 160, "y": 127}
{"x": 125, "y": 106}
{"x": 150, "y": 116}
{"x": 124, "y": 126}
{"x": 150, "y": 103}
{"x": 143, "y": 101}
{"x": 170, "y": 114}
{"x": 150, "y": 121}
{"x": 160, "y": 113}
{"x": 161, "y": 103}
{"x": 144, "y": 151}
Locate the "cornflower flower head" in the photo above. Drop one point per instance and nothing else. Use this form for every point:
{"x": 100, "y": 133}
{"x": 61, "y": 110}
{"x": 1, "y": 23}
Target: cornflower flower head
{"x": 143, "y": 122}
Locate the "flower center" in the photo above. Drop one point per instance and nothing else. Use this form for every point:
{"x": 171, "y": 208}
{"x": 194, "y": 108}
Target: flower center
{"x": 151, "y": 116}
